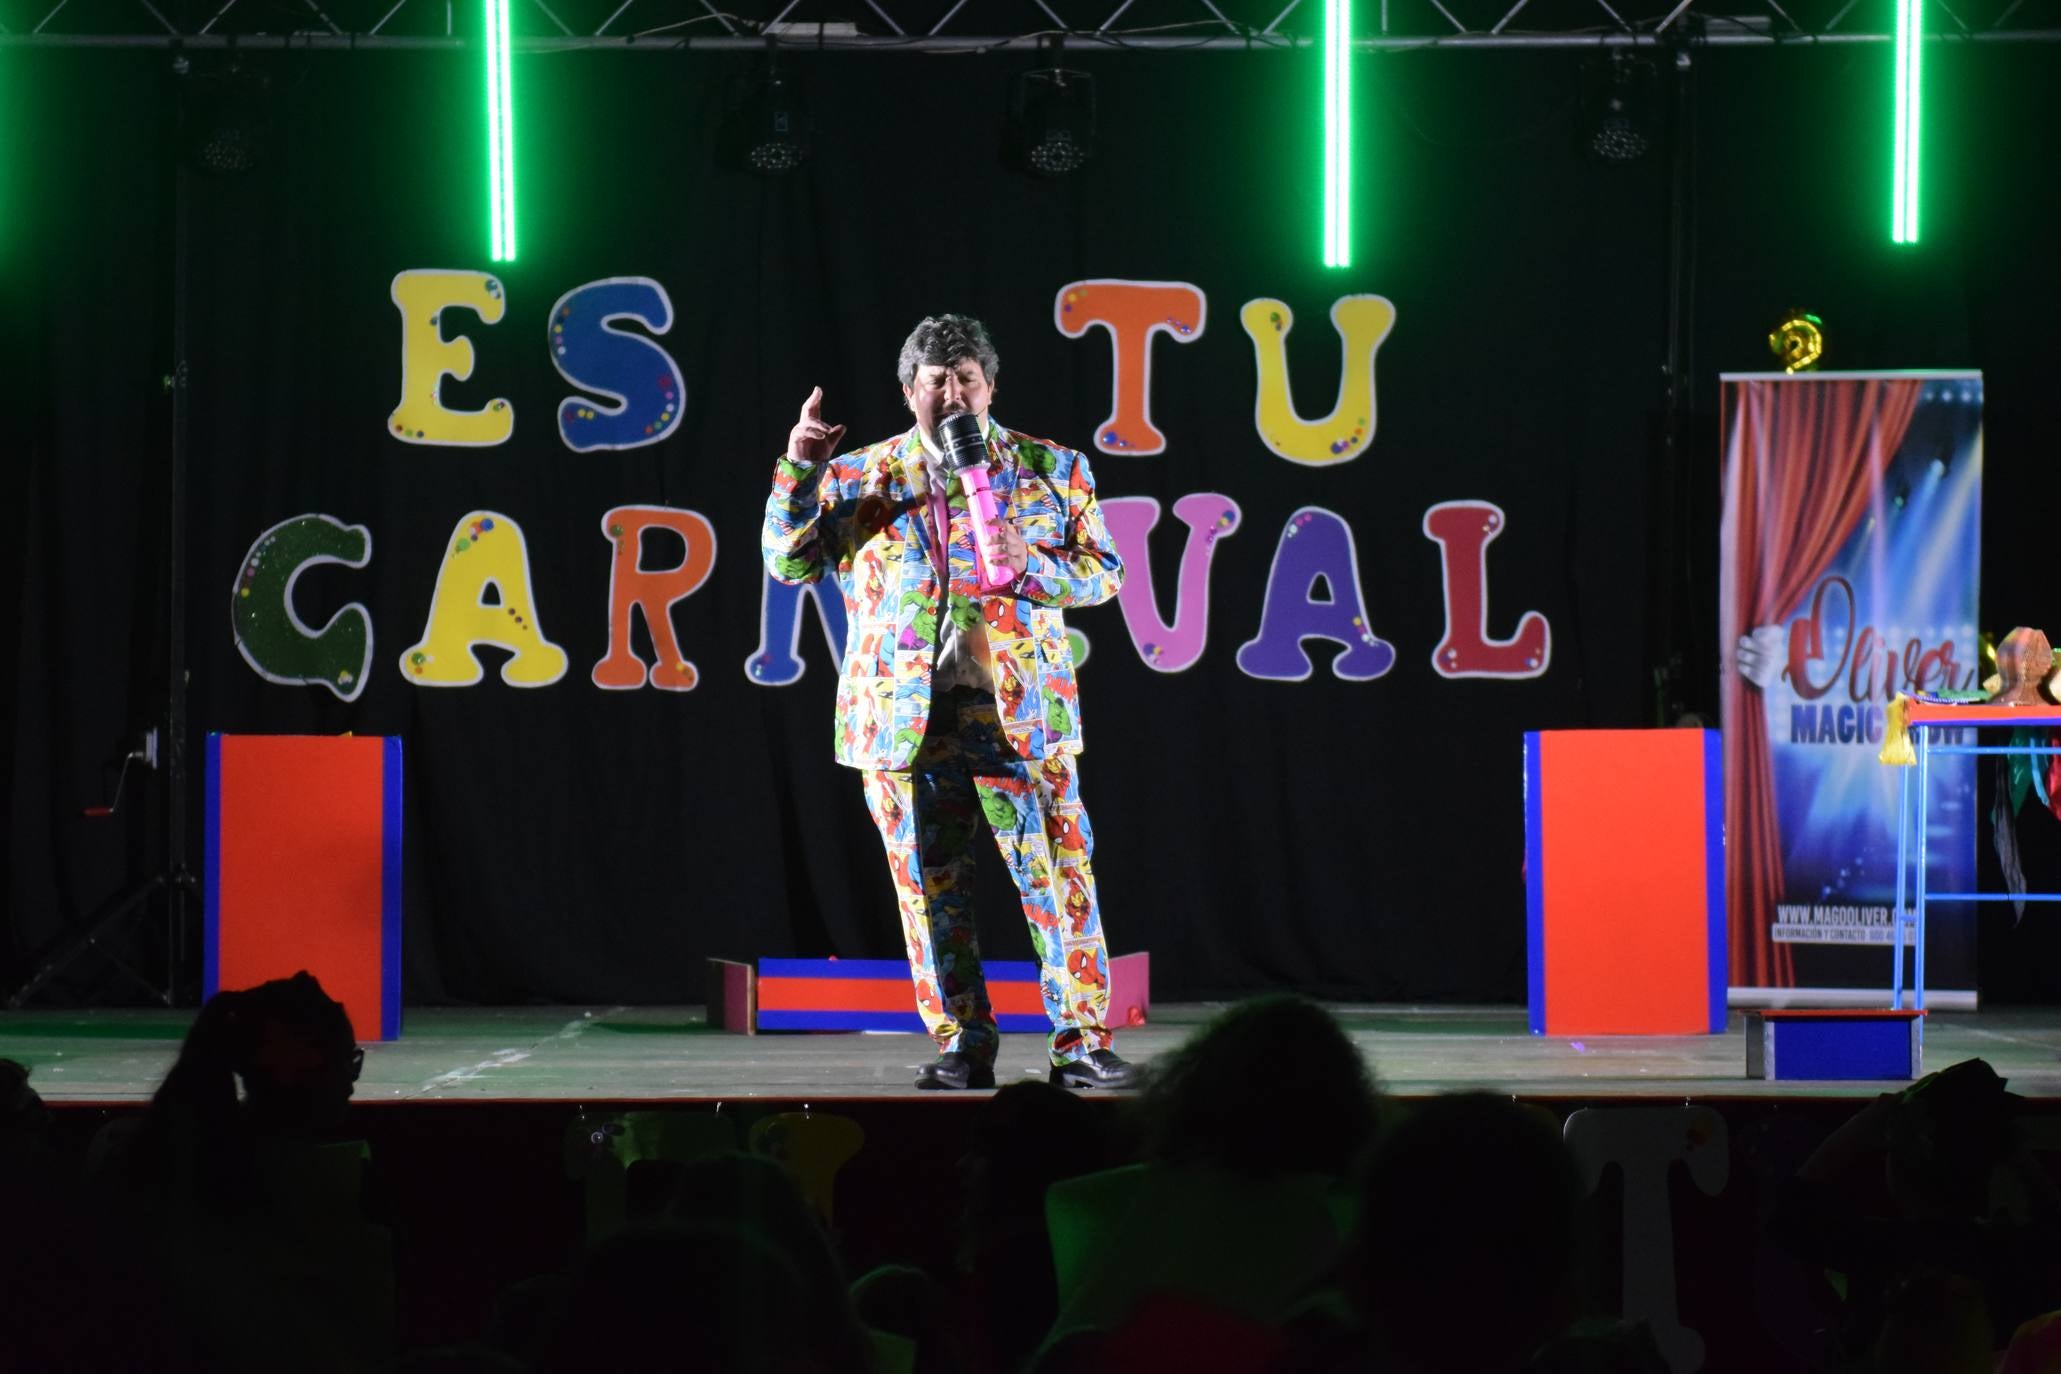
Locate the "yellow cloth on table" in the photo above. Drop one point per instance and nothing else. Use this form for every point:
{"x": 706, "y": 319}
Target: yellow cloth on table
{"x": 1896, "y": 735}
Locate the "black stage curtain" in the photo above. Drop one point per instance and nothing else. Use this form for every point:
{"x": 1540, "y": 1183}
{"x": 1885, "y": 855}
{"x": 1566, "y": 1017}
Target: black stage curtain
{"x": 1344, "y": 838}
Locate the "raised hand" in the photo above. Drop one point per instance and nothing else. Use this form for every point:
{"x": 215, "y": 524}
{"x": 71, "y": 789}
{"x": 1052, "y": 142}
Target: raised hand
{"x": 811, "y": 441}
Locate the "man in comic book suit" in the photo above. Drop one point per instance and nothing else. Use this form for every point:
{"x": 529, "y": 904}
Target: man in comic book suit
{"x": 961, "y": 708}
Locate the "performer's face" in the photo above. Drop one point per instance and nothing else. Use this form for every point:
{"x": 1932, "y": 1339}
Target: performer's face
{"x": 943, "y": 389}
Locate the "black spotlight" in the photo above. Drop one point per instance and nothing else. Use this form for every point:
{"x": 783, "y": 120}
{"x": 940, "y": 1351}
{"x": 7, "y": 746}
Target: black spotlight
{"x": 1052, "y": 119}
{"x": 225, "y": 111}
{"x": 1620, "y": 101}
{"x": 766, "y": 131}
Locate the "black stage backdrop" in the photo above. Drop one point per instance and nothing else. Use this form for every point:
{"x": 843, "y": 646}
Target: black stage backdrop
{"x": 1346, "y": 838}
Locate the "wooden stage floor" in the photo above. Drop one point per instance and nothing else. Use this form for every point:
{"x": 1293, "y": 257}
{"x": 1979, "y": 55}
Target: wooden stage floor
{"x": 632, "y": 1054}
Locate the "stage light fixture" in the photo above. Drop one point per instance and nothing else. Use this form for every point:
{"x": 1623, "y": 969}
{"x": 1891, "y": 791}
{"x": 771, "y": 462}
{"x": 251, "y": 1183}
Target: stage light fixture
{"x": 500, "y": 134}
{"x": 1338, "y": 124}
{"x": 767, "y": 131}
{"x": 226, "y": 112}
{"x": 1052, "y": 119}
{"x": 1621, "y": 95}
{"x": 1910, "y": 46}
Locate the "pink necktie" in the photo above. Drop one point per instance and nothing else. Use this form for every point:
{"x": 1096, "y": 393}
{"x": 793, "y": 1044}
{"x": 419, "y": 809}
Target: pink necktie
{"x": 941, "y": 529}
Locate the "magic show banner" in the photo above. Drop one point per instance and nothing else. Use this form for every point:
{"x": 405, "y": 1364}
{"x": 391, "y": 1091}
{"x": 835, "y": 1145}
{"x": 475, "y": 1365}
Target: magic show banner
{"x": 1849, "y": 556}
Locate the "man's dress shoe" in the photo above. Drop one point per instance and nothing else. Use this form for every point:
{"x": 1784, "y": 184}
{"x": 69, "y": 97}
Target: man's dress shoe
{"x": 952, "y": 1071}
{"x": 1101, "y": 1069}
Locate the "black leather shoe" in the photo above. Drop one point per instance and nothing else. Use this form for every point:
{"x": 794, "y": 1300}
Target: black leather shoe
{"x": 952, "y": 1071}
{"x": 1101, "y": 1069}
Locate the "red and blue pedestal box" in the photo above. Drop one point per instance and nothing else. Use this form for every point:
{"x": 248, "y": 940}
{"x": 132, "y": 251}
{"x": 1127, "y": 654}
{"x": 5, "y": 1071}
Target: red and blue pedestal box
{"x": 875, "y": 995}
{"x": 1625, "y": 881}
{"x": 304, "y": 869}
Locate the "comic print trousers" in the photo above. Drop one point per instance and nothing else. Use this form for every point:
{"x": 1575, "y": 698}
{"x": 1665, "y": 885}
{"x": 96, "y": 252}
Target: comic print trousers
{"x": 966, "y": 776}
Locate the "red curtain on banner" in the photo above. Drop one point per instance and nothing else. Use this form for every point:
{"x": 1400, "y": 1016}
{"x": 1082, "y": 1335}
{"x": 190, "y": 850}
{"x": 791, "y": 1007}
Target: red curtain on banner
{"x": 1804, "y": 462}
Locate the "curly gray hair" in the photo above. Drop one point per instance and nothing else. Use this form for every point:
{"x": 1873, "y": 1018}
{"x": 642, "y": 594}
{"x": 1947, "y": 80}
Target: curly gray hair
{"x": 944, "y": 339}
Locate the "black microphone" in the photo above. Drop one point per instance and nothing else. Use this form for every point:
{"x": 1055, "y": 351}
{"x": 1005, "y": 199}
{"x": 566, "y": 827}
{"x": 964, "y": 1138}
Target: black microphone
{"x": 966, "y": 453}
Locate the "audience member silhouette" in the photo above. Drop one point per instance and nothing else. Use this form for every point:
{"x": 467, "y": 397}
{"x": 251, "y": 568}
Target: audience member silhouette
{"x": 1273, "y": 1085}
{"x": 903, "y": 1304}
{"x": 1931, "y": 1182}
{"x": 1247, "y": 1134}
{"x": 717, "y": 1297}
{"x": 1467, "y": 1256}
{"x": 44, "y": 1270}
{"x": 1934, "y": 1322}
{"x": 1600, "y": 1346}
{"x": 239, "y": 1186}
{"x": 755, "y": 1196}
{"x": 1265, "y": 1225}
{"x": 1029, "y": 1136}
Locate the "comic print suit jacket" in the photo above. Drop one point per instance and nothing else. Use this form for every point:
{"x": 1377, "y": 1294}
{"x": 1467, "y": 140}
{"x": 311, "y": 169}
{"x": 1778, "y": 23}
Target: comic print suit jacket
{"x": 857, "y": 516}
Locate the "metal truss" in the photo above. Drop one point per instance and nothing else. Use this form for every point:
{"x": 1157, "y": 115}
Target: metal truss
{"x": 863, "y": 26}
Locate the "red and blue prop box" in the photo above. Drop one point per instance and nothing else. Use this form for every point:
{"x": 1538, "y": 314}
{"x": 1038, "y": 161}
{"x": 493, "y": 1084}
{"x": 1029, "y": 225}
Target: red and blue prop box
{"x": 304, "y": 869}
{"x": 874, "y": 995}
{"x": 1625, "y": 881}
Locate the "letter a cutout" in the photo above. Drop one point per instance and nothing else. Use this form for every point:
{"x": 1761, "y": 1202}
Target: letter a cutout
{"x": 1316, "y": 546}
{"x": 486, "y": 550}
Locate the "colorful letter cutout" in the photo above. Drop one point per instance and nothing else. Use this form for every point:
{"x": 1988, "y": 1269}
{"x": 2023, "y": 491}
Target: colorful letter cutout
{"x": 1316, "y": 545}
{"x": 1363, "y": 323}
{"x": 1209, "y": 517}
{"x": 271, "y": 635}
{"x": 778, "y": 661}
{"x": 427, "y": 357}
{"x": 639, "y": 376}
{"x": 654, "y": 592}
{"x": 1132, "y": 312}
{"x": 486, "y": 550}
{"x": 1462, "y": 531}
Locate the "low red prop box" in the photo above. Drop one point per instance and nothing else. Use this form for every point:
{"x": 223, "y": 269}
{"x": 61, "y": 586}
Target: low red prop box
{"x": 875, "y": 995}
{"x": 1625, "y": 881}
{"x": 304, "y": 869}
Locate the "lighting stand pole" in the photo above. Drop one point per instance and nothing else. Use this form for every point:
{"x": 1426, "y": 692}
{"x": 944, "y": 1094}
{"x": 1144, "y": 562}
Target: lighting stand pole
{"x": 1674, "y": 618}
{"x": 171, "y": 875}
{"x": 181, "y": 883}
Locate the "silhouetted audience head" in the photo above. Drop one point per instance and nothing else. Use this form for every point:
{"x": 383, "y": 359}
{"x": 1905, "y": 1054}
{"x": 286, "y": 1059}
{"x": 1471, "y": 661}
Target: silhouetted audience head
{"x": 21, "y": 1107}
{"x": 1027, "y": 1137}
{"x": 1467, "y": 1249}
{"x": 1271, "y": 1086}
{"x": 286, "y": 1042}
{"x": 1945, "y": 1135}
{"x": 756, "y": 1196}
{"x": 276, "y": 1061}
{"x": 692, "y": 1298}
